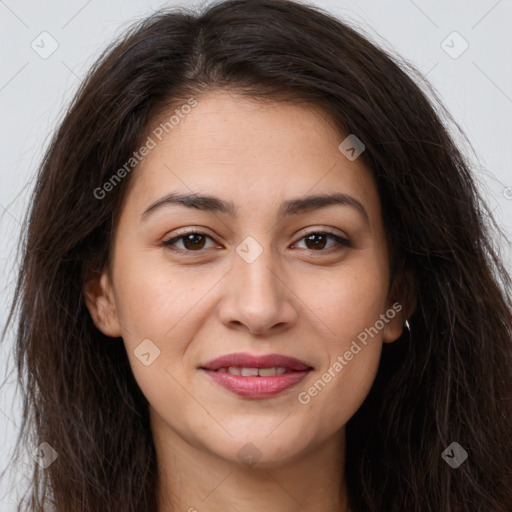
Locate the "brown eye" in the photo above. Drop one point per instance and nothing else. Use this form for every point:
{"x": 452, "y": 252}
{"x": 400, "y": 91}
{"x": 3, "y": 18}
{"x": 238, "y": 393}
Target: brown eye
{"x": 193, "y": 241}
{"x": 318, "y": 241}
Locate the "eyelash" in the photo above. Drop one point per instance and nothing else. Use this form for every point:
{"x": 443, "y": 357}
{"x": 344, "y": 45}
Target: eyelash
{"x": 342, "y": 242}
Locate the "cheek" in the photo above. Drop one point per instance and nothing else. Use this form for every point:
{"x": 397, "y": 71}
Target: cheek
{"x": 349, "y": 313}
{"x": 167, "y": 305}
{"x": 155, "y": 312}
{"x": 348, "y": 301}
{"x": 154, "y": 297}
{"x": 342, "y": 384}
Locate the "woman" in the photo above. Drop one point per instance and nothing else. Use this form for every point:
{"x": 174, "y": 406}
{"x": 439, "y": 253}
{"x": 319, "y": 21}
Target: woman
{"x": 258, "y": 275}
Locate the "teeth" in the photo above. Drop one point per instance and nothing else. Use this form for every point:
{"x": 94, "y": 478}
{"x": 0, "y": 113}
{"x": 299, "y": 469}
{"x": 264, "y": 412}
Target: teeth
{"x": 253, "y": 372}
{"x": 270, "y": 372}
{"x": 248, "y": 372}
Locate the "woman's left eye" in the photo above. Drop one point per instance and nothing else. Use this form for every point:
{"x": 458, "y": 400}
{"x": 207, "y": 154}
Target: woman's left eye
{"x": 315, "y": 241}
{"x": 318, "y": 240}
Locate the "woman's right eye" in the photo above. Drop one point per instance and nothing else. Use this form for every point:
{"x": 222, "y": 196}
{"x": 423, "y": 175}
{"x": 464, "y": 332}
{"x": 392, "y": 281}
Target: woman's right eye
{"x": 193, "y": 241}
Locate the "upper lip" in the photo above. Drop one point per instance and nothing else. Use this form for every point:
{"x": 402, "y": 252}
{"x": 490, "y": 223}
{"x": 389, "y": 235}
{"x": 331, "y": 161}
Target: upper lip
{"x": 242, "y": 360}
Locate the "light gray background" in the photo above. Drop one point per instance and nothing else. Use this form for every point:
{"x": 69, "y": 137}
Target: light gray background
{"x": 476, "y": 87}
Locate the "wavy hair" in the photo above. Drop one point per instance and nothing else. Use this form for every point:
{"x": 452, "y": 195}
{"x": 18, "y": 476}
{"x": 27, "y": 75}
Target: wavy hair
{"x": 449, "y": 379}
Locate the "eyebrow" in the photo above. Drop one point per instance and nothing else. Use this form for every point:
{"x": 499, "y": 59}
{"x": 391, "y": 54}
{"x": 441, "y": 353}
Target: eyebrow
{"x": 208, "y": 203}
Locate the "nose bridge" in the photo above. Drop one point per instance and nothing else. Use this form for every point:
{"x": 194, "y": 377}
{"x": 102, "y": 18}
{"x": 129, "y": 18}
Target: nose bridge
{"x": 258, "y": 272}
{"x": 256, "y": 295}
{"x": 260, "y": 284}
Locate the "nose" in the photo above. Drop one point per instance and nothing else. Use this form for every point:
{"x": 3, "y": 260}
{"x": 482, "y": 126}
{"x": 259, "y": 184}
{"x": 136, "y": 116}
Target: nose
{"x": 256, "y": 297}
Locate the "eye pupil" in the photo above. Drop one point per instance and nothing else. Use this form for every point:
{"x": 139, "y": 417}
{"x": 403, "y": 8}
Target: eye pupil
{"x": 314, "y": 238}
{"x": 194, "y": 238}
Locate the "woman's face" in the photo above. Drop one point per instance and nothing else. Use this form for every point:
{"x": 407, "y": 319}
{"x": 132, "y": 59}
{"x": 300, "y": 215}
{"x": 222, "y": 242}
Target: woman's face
{"x": 261, "y": 277}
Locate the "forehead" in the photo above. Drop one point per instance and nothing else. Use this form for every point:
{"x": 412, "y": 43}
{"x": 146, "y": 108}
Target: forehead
{"x": 253, "y": 153}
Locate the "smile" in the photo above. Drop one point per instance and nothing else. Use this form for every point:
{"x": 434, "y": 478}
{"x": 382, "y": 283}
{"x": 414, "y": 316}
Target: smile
{"x": 256, "y": 376}
{"x": 254, "y": 372}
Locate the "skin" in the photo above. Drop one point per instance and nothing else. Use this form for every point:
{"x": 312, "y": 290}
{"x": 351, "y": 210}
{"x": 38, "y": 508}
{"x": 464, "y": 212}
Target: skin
{"x": 296, "y": 298}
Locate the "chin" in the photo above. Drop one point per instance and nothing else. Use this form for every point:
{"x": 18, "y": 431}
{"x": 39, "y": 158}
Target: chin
{"x": 260, "y": 452}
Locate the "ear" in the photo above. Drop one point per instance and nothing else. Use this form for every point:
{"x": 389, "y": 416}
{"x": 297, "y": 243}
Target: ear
{"x": 401, "y": 303}
{"x": 100, "y": 302}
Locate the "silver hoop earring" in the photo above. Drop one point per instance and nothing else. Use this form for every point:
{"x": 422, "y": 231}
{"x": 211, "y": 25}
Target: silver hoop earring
{"x": 407, "y": 325}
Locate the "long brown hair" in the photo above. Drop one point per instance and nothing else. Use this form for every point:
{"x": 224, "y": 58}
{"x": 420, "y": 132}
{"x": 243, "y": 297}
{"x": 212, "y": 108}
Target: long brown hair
{"x": 449, "y": 380}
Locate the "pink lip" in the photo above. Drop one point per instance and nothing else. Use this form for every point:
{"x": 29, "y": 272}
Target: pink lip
{"x": 244, "y": 360}
{"x": 256, "y": 386}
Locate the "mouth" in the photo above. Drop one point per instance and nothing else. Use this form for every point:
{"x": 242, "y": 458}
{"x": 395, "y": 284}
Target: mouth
{"x": 242, "y": 361}
{"x": 255, "y": 372}
{"x": 256, "y": 376}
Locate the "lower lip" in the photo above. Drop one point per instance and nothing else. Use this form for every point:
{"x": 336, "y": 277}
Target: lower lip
{"x": 257, "y": 387}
